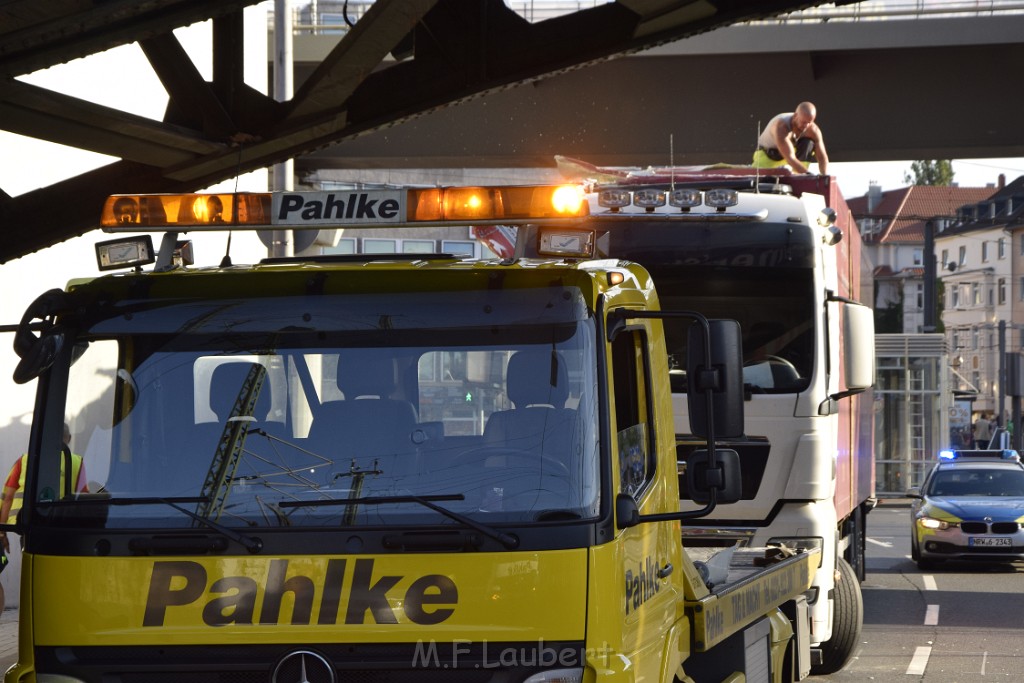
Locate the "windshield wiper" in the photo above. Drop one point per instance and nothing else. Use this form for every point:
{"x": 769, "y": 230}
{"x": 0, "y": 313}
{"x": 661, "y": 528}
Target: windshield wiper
{"x": 510, "y": 541}
{"x": 250, "y": 543}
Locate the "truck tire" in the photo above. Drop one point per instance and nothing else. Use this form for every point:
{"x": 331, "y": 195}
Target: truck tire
{"x": 847, "y": 619}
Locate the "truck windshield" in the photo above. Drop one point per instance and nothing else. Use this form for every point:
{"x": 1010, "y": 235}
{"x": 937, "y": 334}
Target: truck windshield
{"x": 760, "y": 274}
{"x": 238, "y": 409}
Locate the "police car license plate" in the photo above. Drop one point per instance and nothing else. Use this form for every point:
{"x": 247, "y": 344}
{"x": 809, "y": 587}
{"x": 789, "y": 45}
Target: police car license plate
{"x": 989, "y": 542}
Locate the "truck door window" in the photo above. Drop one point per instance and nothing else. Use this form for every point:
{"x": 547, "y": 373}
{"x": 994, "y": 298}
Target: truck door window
{"x": 636, "y": 454}
{"x": 90, "y": 408}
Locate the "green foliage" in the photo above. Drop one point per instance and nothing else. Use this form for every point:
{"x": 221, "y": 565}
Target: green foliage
{"x": 930, "y": 172}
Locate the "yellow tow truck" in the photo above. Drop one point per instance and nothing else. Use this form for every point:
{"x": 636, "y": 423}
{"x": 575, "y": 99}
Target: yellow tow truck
{"x": 382, "y": 466}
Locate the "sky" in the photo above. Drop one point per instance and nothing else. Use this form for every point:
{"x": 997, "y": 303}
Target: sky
{"x": 854, "y": 177}
{"x": 27, "y": 164}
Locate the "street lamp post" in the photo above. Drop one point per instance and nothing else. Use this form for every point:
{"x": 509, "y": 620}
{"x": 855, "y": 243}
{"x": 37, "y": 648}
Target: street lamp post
{"x": 1001, "y": 394}
{"x": 929, "y": 278}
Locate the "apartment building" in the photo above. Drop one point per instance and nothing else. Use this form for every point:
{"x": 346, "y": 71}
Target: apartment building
{"x": 981, "y": 268}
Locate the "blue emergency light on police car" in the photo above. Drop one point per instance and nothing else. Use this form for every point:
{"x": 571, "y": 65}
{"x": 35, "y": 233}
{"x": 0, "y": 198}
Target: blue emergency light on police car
{"x": 1003, "y": 454}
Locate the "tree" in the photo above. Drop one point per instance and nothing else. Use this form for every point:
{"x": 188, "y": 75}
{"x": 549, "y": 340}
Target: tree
{"x": 930, "y": 172}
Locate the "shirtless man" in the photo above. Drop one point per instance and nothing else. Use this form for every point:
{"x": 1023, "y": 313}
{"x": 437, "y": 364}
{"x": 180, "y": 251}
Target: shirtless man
{"x": 792, "y": 139}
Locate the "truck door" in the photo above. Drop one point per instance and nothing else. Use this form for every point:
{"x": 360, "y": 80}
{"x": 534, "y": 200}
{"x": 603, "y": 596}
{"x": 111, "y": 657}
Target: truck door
{"x": 649, "y": 552}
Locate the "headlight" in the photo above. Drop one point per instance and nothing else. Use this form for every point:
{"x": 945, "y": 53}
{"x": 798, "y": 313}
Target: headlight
{"x": 932, "y": 523}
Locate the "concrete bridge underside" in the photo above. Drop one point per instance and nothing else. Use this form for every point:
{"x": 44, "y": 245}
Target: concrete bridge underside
{"x": 927, "y": 89}
{"x": 475, "y": 85}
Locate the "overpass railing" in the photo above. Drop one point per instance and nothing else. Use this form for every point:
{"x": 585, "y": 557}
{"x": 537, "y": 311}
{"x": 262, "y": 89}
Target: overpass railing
{"x": 882, "y": 10}
{"x": 334, "y": 17}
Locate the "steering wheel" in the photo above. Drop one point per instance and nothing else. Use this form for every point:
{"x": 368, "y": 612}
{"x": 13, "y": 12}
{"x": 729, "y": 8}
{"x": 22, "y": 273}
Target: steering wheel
{"x": 782, "y": 361}
{"x": 773, "y": 360}
{"x": 539, "y": 503}
{"x": 484, "y": 452}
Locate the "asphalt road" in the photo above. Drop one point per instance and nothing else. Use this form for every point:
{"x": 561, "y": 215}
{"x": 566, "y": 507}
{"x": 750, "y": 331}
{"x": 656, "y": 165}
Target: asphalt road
{"x": 962, "y": 622}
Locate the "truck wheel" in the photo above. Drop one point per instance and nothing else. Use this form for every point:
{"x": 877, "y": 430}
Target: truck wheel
{"x": 847, "y": 618}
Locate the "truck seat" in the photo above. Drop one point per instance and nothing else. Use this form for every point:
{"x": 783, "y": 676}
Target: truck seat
{"x": 225, "y": 386}
{"x": 368, "y": 424}
{"x": 538, "y": 386}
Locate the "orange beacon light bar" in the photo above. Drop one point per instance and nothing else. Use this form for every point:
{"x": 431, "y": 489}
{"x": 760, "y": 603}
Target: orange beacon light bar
{"x": 368, "y": 208}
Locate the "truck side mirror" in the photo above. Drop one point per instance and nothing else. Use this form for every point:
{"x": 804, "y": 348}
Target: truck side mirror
{"x": 39, "y": 351}
{"x": 859, "y": 333}
{"x": 724, "y": 377}
{"x": 627, "y": 513}
{"x": 725, "y": 478}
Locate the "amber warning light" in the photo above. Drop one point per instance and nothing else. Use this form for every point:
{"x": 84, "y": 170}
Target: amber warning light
{"x": 408, "y": 207}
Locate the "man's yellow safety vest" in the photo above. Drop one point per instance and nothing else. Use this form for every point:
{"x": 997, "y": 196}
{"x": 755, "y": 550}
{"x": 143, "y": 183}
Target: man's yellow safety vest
{"x": 69, "y": 483}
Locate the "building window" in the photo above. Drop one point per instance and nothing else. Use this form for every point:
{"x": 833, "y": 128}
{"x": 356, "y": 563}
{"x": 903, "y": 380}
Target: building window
{"x": 956, "y": 339}
{"x": 975, "y": 294}
{"x": 1001, "y": 248}
{"x": 1021, "y": 289}
{"x": 459, "y": 247}
{"x": 974, "y": 338}
{"x": 1002, "y": 290}
{"x": 955, "y": 293}
{"x": 345, "y": 245}
{"x": 918, "y": 257}
{"x": 984, "y": 251}
{"x": 962, "y": 261}
{"x": 945, "y": 259}
{"x": 920, "y": 296}
{"x": 417, "y": 246}
{"x": 376, "y": 245}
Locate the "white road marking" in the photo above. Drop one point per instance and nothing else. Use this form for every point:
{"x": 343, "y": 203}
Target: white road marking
{"x": 929, "y": 582}
{"x": 919, "y": 662}
{"x": 931, "y": 615}
{"x": 884, "y": 544}
{"x": 984, "y": 659}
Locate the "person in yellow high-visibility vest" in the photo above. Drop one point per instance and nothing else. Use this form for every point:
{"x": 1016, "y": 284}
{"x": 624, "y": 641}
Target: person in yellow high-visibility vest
{"x": 15, "y": 483}
{"x": 12, "y": 496}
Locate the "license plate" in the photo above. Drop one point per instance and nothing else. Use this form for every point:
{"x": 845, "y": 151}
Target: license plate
{"x": 988, "y": 542}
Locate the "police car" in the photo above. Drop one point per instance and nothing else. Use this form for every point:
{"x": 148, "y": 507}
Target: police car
{"x": 971, "y": 506}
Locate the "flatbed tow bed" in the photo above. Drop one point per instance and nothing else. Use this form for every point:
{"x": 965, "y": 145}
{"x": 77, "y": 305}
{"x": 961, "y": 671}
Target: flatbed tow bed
{"x": 748, "y": 588}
